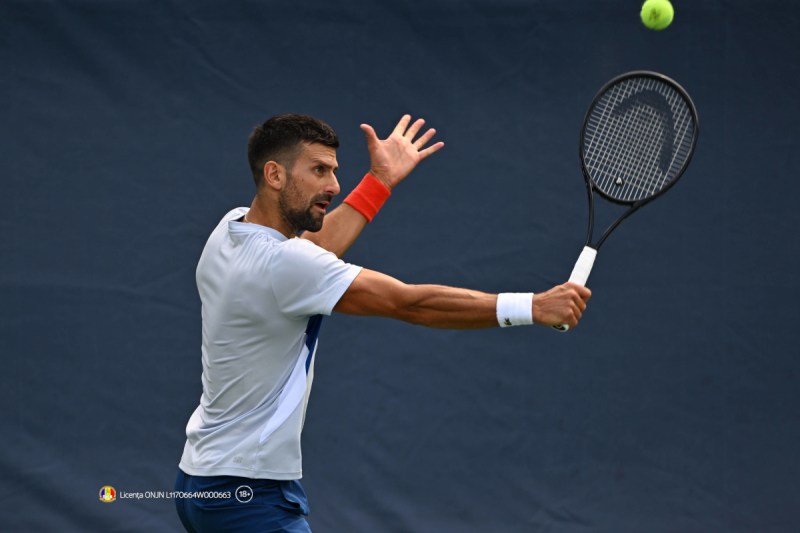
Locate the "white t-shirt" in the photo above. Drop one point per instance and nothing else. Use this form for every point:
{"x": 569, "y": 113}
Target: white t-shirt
{"x": 262, "y": 296}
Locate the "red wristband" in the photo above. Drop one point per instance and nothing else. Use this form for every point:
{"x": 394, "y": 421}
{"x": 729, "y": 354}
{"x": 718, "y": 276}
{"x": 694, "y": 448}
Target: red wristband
{"x": 368, "y": 197}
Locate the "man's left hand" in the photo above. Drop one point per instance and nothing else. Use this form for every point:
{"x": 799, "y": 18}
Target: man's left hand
{"x": 393, "y": 158}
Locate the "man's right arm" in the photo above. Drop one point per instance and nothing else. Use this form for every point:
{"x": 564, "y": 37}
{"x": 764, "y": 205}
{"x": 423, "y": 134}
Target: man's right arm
{"x": 374, "y": 294}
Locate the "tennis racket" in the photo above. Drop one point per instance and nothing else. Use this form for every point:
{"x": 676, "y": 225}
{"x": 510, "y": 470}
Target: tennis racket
{"x": 637, "y": 139}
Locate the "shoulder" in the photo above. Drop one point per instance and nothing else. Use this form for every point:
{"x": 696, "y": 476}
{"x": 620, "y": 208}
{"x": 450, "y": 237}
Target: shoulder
{"x": 300, "y": 258}
{"x": 308, "y": 280}
{"x": 302, "y": 250}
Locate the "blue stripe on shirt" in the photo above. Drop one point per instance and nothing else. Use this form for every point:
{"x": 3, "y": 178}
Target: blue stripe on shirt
{"x": 312, "y": 334}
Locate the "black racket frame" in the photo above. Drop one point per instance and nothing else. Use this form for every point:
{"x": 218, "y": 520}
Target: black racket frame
{"x": 637, "y": 204}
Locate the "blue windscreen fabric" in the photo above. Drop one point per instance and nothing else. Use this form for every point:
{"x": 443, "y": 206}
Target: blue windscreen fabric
{"x": 671, "y": 407}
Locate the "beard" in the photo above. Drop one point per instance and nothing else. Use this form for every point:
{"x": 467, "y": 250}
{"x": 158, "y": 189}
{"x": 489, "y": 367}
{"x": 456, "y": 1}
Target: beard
{"x": 298, "y": 213}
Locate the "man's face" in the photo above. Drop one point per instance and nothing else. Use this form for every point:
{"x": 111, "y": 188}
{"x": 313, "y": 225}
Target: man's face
{"x": 310, "y": 185}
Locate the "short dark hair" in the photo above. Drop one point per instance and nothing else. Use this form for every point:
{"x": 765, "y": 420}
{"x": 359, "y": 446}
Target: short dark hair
{"x": 279, "y": 139}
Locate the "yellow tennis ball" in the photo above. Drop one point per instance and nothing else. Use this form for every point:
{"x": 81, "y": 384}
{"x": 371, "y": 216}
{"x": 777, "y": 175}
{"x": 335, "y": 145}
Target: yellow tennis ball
{"x": 657, "y": 14}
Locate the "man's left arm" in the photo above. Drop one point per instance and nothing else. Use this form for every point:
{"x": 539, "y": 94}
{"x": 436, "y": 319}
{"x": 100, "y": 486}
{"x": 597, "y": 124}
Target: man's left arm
{"x": 391, "y": 160}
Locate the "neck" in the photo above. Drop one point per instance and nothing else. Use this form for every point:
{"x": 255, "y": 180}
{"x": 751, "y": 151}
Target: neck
{"x": 263, "y": 213}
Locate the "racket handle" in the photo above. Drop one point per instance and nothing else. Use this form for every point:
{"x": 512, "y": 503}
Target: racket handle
{"x": 580, "y": 274}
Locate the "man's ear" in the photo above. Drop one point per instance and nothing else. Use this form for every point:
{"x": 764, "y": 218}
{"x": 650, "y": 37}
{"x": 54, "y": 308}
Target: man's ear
{"x": 274, "y": 175}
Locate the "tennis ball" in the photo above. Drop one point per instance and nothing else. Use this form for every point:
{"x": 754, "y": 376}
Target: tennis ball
{"x": 657, "y": 14}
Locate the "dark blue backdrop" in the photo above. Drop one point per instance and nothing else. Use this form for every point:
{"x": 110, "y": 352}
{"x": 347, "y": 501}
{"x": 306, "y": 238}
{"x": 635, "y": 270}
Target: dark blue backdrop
{"x": 674, "y": 407}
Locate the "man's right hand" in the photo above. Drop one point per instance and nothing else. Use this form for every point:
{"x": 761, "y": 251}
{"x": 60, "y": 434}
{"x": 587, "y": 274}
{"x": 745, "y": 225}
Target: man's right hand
{"x": 563, "y": 304}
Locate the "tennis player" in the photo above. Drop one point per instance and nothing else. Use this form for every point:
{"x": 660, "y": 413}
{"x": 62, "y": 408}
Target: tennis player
{"x": 264, "y": 292}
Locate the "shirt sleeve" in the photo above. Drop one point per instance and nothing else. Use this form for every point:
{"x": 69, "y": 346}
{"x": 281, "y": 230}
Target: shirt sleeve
{"x": 308, "y": 280}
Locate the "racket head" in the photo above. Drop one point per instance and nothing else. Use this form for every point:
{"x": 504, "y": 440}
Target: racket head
{"x": 638, "y": 137}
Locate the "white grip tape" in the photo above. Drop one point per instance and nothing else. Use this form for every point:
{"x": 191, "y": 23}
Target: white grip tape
{"x": 580, "y": 274}
{"x": 583, "y": 266}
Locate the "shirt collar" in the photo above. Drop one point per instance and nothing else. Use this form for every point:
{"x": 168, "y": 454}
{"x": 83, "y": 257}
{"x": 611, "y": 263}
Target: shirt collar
{"x": 238, "y": 227}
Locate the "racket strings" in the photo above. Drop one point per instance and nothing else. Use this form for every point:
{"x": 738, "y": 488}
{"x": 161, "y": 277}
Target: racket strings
{"x": 637, "y": 138}
{"x": 624, "y": 140}
{"x": 651, "y": 133}
{"x": 641, "y": 170}
{"x": 608, "y": 153}
{"x": 636, "y": 152}
{"x": 631, "y": 146}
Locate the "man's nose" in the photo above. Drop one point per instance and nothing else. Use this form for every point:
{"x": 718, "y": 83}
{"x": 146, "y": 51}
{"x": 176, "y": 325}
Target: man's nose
{"x": 333, "y": 186}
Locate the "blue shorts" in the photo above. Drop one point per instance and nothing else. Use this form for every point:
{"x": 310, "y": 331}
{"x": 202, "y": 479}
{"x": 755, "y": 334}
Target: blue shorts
{"x": 227, "y": 503}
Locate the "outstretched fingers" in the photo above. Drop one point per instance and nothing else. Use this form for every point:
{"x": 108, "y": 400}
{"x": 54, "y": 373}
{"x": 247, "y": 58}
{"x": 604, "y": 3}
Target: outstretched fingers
{"x": 409, "y": 132}
{"x": 414, "y": 129}
{"x": 393, "y": 158}
{"x": 430, "y": 150}
{"x": 402, "y": 125}
{"x": 422, "y": 141}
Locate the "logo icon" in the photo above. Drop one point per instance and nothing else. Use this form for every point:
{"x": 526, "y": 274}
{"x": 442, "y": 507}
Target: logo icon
{"x": 108, "y": 494}
{"x": 244, "y": 494}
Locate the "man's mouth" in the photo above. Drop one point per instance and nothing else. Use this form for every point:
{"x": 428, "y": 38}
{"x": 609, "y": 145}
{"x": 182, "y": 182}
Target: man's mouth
{"x": 322, "y": 206}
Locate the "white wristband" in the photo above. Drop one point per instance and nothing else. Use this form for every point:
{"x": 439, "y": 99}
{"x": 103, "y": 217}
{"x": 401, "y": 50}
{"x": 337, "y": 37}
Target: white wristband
{"x": 514, "y": 309}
